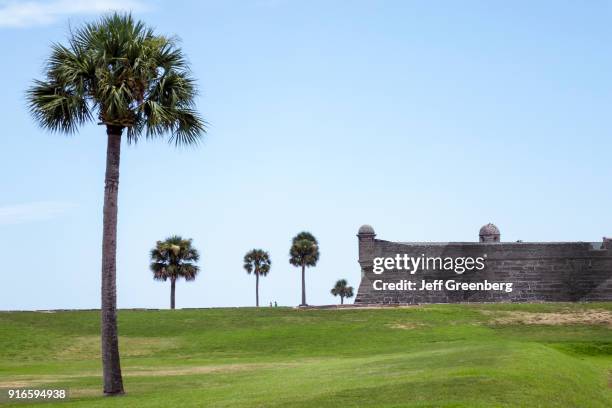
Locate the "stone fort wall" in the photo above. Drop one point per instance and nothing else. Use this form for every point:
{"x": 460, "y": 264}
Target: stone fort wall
{"x": 567, "y": 271}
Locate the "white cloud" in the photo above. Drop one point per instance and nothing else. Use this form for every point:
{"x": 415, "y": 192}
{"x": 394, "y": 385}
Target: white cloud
{"x": 31, "y": 13}
{"x": 31, "y": 212}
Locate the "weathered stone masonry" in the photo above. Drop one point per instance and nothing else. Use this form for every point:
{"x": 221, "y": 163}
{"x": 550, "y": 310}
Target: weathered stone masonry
{"x": 547, "y": 271}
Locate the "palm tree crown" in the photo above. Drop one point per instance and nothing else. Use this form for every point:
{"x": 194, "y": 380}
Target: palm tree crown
{"x": 122, "y": 72}
{"x": 343, "y": 290}
{"x": 174, "y": 258}
{"x": 304, "y": 250}
{"x": 257, "y": 261}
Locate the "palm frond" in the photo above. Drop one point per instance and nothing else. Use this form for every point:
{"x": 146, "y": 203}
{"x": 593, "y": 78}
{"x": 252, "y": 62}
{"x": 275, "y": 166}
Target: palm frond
{"x": 56, "y": 107}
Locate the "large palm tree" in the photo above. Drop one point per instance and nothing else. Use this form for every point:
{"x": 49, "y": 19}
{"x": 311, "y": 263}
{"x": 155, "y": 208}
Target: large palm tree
{"x": 304, "y": 252}
{"x": 257, "y": 261}
{"x": 342, "y": 289}
{"x": 121, "y": 74}
{"x": 172, "y": 259}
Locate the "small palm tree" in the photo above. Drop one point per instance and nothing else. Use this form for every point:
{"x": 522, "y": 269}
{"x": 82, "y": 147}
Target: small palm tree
{"x": 343, "y": 290}
{"x": 118, "y": 72}
{"x": 304, "y": 252}
{"x": 172, "y": 259}
{"x": 257, "y": 261}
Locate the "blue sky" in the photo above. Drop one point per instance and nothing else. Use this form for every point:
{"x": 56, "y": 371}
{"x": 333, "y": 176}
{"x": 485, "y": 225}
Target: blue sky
{"x": 424, "y": 119}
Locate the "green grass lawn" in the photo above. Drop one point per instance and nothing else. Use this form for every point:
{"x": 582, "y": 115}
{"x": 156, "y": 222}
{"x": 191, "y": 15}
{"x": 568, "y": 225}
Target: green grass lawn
{"x": 426, "y": 356}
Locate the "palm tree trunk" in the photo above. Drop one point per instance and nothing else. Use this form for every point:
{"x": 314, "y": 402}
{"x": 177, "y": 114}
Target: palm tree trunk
{"x": 303, "y": 285}
{"x": 257, "y": 290}
{"x": 172, "y": 292}
{"x": 341, "y": 299}
{"x": 113, "y": 383}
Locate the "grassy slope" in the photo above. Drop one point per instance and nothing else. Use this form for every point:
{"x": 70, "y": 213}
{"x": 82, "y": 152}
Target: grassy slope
{"x": 432, "y": 356}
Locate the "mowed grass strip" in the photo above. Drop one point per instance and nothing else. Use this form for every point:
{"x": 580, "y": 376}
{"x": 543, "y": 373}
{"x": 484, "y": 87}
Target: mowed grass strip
{"x": 533, "y": 355}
